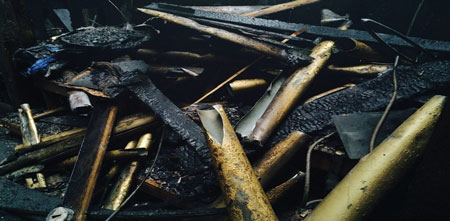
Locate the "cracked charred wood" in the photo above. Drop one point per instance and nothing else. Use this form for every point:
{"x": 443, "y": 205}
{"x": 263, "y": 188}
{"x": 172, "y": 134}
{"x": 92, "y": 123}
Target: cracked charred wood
{"x": 292, "y": 57}
{"x": 272, "y": 161}
{"x": 279, "y": 191}
{"x": 359, "y": 50}
{"x": 18, "y": 198}
{"x": 231, "y": 9}
{"x": 278, "y": 8}
{"x": 379, "y": 171}
{"x": 245, "y": 29}
{"x": 158, "y": 214}
{"x": 244, "y": 195}
{"x": 123, "y": 184}
{"x": 170, "y": 114}
{"x": 245, "y": 86}
{"x": 30, "y": 135}
{"x": 185, "y": 57}
{"x": 312, "y": 30}
{"x": 86, "y": 170}
{"x": 291, "y": 90}
{"x": 367, "y": 70}
{"x": 413, "y": 81}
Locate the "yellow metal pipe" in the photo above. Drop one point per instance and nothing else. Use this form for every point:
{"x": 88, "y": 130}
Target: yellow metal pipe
{"x": 244, "y": 196}
{"x": 377, "y": 172}
{"x": 367, "y": 70}
{"x": 291, "y": 90}
{"x": 28, "y": 127}
{"x": 123, "y": 184}
{"x": 271, "y": 163}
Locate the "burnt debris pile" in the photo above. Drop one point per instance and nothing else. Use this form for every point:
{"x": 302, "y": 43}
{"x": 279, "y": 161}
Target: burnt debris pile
{"x": 225, "y": 112}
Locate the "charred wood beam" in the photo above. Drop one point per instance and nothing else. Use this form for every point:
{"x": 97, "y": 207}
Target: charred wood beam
{"x": 87, "y": 168}
{"x": 292, "y": 57}
{"x": 170, "y": 114}
{"x": 185, "y": 56}
{"x": 232, "y": 9}
{"x": 313, "y": 30}
{"x": 246, "y": 29}
{"x": 374, "y": 94}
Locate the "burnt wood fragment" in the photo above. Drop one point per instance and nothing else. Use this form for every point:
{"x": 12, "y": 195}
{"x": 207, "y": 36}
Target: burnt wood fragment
{"x": 170, "y": 114}
{"x": 372, "y": 95}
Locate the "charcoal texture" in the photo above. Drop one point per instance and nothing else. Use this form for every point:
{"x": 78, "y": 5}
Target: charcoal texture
{"x": 372, "y": 95}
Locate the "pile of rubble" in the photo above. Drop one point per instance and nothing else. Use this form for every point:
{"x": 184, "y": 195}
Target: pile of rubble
{"x": 213, "y": 112}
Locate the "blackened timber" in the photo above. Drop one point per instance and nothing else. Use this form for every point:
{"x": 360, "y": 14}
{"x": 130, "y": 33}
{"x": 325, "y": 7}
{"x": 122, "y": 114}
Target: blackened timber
{"x": 371, "y": 95}
{"x": 275, "y": 25}
{"x": 20, "y": 199}
{"x": 86, "y": 170}
{"x": 170, "y": 114}
{"x": 291, "y": 57}
{"x": 253, "y": 30}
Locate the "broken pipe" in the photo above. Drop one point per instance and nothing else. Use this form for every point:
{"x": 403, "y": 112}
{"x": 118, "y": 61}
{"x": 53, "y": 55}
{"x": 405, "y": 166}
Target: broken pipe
{"x": 244, "y": 195}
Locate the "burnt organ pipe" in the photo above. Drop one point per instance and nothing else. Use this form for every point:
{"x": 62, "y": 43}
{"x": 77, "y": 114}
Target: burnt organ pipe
{"x": 28, "y": 127}
{"x": 377, "y": 172}
{"x": 290, "y": 92}
{"x": 290, "y": 56}
{"x": 123, "y": 184}
{"x": 244, "y": 195}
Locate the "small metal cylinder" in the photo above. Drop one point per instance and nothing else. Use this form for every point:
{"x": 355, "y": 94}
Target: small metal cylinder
{"x": 28, "y": 127}
{"x": 244, "y": 86}
{"x": 80, "y": 103}
{"x": 123, "y": 184}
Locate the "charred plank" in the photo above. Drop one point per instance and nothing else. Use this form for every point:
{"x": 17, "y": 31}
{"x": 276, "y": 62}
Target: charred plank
{"x": 371, "y": 95}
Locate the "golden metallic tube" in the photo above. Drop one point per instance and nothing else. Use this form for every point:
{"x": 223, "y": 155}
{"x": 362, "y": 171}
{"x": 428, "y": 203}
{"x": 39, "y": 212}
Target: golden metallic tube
{"x": 326, "y": 93}
{"x": 292, "y": 89}
{"x": 120, "y": 190}
{"x": 245, "y": 85}
{"x": 357, "y": 49}
{"x": 273, "y": 161}
{"x": 378, "y": 171}
{"x": 244, "y": 195}
{"x": 30, "y": 134}
{"x": 110, "y": 155}
{"x": 280, "y": 7}
{"x": 277, "y": 192}
{"x": 367, "y": 70}
{"x": 278, "y": 156}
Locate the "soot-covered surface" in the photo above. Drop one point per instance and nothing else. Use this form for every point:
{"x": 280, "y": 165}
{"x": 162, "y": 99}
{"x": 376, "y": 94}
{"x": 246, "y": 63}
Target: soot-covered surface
{"x": 372, "y": 95}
